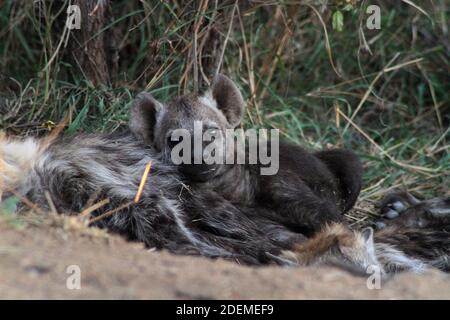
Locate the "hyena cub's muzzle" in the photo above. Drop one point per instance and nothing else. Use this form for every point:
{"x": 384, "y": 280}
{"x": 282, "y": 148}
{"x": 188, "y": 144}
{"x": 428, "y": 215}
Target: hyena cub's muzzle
{"x": 201, "y": 165}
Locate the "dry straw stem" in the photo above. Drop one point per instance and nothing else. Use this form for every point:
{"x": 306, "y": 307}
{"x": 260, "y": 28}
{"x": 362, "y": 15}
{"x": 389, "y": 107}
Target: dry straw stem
{"x": 51, "y": 204}
{"x": 433, "y": 96}
{"x": 198, "y": 22}
{"x": 287, "y": 33}
{"x": 143, "y": 180}
{"x": 128, "y": 204}
{"x": 94, "y": 207}
{"x": 227, "y": 38}
{"x": 111, "y": 212}
{"x": 27, "y": 202}
{"x": 204, "y": 42}
{"x": 327, "y": 41}
{"x": 417, "y": 7}
{"x": 441, "y": 138}
{"x": 250, "y": 70}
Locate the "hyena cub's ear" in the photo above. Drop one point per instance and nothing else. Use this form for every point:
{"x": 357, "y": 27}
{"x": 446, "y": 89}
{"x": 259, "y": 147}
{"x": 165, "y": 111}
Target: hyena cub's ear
{"x": 229, "y": 99}
{"x": 143, "y": 115}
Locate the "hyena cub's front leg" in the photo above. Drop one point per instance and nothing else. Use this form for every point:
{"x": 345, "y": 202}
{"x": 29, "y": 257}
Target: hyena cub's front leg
{"x": 402, "y": 208}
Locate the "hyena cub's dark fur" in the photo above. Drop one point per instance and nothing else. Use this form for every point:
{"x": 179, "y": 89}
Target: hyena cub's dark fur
{"x": 309, "y": 189}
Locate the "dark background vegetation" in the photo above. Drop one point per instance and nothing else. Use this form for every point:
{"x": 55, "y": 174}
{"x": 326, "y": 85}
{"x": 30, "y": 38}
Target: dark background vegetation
{"x": 383, "y": 93}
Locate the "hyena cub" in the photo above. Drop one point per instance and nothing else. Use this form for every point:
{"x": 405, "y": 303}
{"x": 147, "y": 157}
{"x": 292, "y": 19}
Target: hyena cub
{"x": 309, "y": 189}
{"x": 415, "y": 239}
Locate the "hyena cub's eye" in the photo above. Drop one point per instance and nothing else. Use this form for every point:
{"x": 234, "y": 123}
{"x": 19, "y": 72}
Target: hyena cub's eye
{"x": 212, "y": 132}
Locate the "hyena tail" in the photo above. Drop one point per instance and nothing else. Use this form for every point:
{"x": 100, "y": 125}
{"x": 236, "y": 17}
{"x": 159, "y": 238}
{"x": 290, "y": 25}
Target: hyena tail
{"x": 17, "y": 158}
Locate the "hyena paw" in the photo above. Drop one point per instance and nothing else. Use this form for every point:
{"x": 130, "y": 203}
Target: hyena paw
{"x": 404, "y": 209}
{"x": 394, "y": 204}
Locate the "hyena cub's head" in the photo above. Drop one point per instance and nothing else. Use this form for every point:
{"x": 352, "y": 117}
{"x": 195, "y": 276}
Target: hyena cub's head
{"x": 199, "y": 122}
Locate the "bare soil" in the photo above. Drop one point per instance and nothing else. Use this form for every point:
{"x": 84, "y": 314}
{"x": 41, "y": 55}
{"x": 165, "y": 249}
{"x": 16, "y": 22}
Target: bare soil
{"x": 34, "y": 261}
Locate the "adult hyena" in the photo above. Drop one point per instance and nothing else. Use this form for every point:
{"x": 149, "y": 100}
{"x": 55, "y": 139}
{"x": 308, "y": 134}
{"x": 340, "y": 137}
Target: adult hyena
{"x": 72, "y": 173}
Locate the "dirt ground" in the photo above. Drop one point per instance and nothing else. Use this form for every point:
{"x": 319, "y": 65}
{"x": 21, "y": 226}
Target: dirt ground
{"x": 34, "y": 262}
